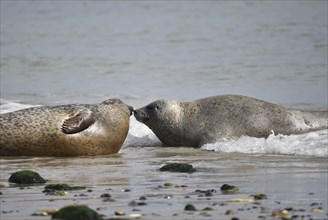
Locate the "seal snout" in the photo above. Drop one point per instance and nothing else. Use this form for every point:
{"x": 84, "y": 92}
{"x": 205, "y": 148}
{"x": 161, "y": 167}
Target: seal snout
{"x": 140, "y": 115}
{"x": 131, "y": 109}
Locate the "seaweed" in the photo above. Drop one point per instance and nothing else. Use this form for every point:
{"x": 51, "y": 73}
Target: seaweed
{"x": 26, "y": 177}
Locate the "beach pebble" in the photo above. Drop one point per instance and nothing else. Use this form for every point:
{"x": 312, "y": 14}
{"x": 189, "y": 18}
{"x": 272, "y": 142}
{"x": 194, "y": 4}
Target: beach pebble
{"x": 246, "y": 200}
{"x": 38, "y": 213}
{"x": 45, "y": 212}
{"x": 229, "y": 189}
{"x": 135, "y": 215}
{"x": 105, "y": 195}
{"x": 190, "y": 207}
{"x": 317, "y": 210}
{"x": 284, "y": 214}
{"x": 120, "y": 213}
{"x": 178, "y": 167}
{"x": 126, "y": 190}
{"x": 259, "y": 196}
{"x": 4, "y": 184}
{"x": 229, "y": 212}
{"x": 208, "y": 209}
{"x": 62, "y": 187}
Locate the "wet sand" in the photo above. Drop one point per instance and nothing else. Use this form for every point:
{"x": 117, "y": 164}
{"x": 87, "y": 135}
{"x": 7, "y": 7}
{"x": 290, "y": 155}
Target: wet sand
{"x": 297, "y": 184}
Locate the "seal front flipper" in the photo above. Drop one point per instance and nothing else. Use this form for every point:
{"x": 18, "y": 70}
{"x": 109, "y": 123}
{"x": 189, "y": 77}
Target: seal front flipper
{"x": 78, "y": 121}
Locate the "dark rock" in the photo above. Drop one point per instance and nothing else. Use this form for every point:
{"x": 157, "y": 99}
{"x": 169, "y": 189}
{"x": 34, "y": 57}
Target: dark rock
{"x": 105, "y": 195}
{"x": 228, "y": 189}
{"x": 259, "y": 196}
{"x": 178, "y": 167}
{"x": 77, "y": 213}
{"x": 26, "y": 177}
{"x": 190, "y": 207}
{"x": 62, "y": 187}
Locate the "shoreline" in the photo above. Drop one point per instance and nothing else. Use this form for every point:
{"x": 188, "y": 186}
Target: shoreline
{"x": 292, "y": 183}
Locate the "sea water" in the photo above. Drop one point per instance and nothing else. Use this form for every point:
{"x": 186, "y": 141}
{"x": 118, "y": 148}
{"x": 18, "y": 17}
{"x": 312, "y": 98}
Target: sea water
{"x": 61, "y": 52}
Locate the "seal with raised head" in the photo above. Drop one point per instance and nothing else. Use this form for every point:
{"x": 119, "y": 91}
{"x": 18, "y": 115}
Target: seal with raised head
{"x": 66, "y": 130}
{"x": 210, "y": 119}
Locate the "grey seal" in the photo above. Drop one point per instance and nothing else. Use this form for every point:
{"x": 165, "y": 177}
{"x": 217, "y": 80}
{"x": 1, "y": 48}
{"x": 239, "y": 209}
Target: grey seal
{"x": 209, "y": 119}
{"x": 65, "y": 130}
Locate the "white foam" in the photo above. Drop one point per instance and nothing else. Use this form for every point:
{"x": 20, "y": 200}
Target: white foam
{"x": 140, "y": 135}
{"x": 309, "y": 144}
{"x": 8, "y": 106}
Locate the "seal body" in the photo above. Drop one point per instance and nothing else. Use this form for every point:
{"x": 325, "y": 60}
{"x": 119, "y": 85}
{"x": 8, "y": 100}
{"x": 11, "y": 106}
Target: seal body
{"x": 207, "y": 120}
{"x": 67, "y": 130}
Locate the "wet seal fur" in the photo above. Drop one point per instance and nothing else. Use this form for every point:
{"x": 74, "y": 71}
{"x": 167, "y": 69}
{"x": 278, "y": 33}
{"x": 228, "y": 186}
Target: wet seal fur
{"x": 66, "y": 130}
{"x": 206, "y": 120}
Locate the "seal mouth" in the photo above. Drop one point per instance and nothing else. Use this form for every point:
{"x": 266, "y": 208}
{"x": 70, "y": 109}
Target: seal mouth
{"x": 131, "y": 109}
{"x": 140, "y": 116}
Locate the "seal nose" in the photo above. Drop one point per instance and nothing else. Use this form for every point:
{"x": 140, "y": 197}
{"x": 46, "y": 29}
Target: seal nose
{"x": 131, "y": 109}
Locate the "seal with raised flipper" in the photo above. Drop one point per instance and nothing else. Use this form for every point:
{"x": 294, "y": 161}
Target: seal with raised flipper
{"x": 207, "y": 120}
{"x": 66, "y": 130}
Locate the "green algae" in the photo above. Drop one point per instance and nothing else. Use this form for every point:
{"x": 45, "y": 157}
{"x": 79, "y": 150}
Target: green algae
{"x": 178, "y": 167}
{"x": 79, "y": 212}
{"x": 26, "y": 177}
{"x": 259, "y": 196}
{"x": 63, "y": 187}
{"x": 229, "y": 189}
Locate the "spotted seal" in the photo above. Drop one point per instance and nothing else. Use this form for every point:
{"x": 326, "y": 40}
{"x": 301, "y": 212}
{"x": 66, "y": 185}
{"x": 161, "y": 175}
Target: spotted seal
{"x": 66, "y": 130}
{"x": 209, "y": 119}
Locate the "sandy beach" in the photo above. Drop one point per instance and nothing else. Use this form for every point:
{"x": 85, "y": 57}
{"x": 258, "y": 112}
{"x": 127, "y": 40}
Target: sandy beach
{"x": 293, "y": 183}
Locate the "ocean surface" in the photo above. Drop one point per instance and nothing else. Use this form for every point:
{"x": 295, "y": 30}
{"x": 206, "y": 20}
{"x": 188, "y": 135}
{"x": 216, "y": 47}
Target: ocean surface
{"x": 60, "y": 52}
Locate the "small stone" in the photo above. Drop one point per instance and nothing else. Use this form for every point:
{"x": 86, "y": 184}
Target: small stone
{"x": 246, "y": 200}
{"x": 229, "y": 212}
{"x": 60, "y": 193}
{"x": 45, "y": 212}
{"x": 317, "y": 210}
{"x": 63, "y": 187}
{"x": 39, "y": 213}
{"x": 4, "y": 184}
{"x": 26, "y": 177}
{"x": 208, "y": 193}
{"x": 168, "y": 185}
{"x": 90, "y": 190}
{"x": 178, "y": 167}
{"x": 168, "y": 197}
{"x": 135, "y": 215}
{"x": 126, "y": 190}
{"x": 120, "y": 213}
{"x": 105, "y": 195}
{"x": 142, "y": 198}
{"x": 281, "y": 214}
{"x": 229, "y": 189}
{"x": 208, "y": 209}
{"x": 190, "y": 207}
{"x": 259, "y": 196}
